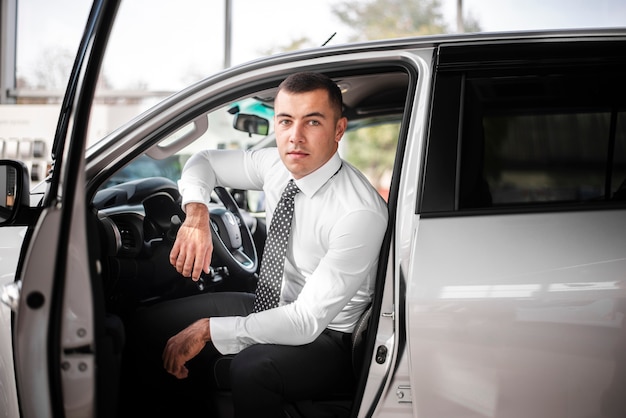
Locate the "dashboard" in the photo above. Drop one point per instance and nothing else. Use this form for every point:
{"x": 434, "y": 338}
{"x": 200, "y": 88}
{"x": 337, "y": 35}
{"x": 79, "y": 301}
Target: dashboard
{"x": 137, "y": 222}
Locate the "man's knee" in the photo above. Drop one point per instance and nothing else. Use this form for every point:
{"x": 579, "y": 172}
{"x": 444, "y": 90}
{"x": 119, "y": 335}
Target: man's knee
{"x": 252, "y": 368}
{"x": 256, "y": 383}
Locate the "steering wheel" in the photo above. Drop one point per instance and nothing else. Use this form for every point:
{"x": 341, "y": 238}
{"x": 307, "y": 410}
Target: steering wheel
{"x": 233, "y": 246}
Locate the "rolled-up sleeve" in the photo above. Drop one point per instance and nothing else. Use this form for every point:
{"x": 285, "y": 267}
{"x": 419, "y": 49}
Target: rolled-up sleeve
{"x": 230, "y": 168}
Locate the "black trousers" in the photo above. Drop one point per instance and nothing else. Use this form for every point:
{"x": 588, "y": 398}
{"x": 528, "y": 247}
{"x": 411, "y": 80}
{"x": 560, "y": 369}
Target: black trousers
{"x": 263, "y": 377}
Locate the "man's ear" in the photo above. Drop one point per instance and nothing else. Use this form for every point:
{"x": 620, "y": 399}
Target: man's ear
{"x": 340, "y": 128}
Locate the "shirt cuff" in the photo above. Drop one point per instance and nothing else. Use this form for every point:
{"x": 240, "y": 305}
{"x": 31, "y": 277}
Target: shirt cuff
{"x": 222, "y": 334}
{"x": 194, "y": 195}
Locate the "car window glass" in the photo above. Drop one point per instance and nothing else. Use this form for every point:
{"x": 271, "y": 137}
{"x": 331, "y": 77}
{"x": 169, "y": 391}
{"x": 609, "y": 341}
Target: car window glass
{"x": 219, "y": 133}
{"x": 543, "y": 138}
{"x": 372, "y": 149}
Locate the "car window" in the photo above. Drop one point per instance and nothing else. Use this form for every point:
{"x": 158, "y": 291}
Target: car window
{"x": 371, "y": 147}
{"x": 517, "y": 128}
{"x": 221, "y": 132}
{"x": 369, "y": 144}
{"x": 543, "y": 138}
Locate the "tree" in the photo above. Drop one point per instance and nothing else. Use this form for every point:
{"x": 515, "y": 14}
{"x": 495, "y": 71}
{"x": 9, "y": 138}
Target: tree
{"x": 372, "y": 150}
{"x": 383, "y": 19}
{"x": 53, "y": 68}
{"x": 51, "y": 73}
{"x": 294, "y": 45}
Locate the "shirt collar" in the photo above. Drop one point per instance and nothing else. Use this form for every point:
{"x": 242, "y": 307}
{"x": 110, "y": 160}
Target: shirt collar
{"x": 311, "y": 183}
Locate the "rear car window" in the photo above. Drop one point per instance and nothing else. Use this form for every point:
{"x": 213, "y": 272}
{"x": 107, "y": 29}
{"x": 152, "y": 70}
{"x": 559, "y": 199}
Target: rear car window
{"x": 548, "y": 136}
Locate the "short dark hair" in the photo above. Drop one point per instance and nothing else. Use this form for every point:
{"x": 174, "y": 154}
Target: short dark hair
{"x": 305, "y": 82}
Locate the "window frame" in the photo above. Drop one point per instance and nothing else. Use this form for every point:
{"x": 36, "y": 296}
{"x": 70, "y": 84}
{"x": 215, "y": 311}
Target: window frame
{"x": 441, "y": 186}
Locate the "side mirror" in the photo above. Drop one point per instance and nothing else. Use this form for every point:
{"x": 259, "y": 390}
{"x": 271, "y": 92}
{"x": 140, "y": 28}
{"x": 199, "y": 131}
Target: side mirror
{"x": 14, "y": 189}
{"x": 252, "y": 124}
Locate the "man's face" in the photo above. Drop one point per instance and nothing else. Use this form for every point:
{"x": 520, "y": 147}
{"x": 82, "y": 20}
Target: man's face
{"x": 307, "y": 130}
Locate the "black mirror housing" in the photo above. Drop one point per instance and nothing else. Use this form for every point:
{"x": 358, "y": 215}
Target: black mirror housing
{"x": 14, "y": 189}
{"x": 252, "y": 124}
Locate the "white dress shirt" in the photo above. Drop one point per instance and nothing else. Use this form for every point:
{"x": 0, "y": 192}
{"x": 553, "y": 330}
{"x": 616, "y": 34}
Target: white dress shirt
{"x": 332, "y": 255}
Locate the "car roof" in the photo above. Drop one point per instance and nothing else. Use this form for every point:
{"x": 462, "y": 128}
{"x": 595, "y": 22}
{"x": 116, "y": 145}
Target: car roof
{"x": 478, "y": 38}
{"x": 383, "y": 89}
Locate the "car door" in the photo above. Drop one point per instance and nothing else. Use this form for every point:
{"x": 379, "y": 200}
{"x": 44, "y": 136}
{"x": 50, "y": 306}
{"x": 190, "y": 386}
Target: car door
{"x": 403, "y": 76}
{"x": 516, "y": 281}
{"x": 54, "y": 332}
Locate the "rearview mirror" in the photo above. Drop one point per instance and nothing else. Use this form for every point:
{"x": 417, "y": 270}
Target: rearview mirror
{"x": 252, "y": 124}
{"x": 14, "y": 186}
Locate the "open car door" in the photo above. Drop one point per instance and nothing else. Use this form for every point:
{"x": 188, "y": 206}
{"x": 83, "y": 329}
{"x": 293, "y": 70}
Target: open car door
{"x": 54, "y": 331}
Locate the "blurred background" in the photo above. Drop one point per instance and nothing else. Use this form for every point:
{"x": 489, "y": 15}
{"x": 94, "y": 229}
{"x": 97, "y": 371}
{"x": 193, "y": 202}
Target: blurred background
{"x": 158, "y": 47}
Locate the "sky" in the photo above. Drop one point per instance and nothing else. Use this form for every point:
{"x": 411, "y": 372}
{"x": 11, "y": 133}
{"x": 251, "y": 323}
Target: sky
{"x": 165, "y": 45}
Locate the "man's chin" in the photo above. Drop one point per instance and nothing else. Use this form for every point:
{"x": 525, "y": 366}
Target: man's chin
{"x": 297, "y": 170}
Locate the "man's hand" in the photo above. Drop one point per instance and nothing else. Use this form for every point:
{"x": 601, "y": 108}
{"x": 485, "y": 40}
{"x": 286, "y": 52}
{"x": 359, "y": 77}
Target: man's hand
{"x": 193, "y": 247}
{"x": 184, "y": 346}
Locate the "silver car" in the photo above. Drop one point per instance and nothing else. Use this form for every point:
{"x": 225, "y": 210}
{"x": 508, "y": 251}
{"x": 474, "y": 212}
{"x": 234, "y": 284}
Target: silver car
{"x": 501, "y": 289}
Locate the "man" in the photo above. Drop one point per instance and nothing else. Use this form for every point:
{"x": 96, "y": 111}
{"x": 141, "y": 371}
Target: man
{"x": 301, "y": 348}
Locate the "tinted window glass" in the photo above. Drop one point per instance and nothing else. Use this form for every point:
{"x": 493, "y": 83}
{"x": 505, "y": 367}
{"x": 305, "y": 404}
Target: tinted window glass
{"x": 543, "y": 138}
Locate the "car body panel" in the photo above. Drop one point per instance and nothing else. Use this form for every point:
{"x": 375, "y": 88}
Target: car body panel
{"x": 9, "y": 256}
{"x": 54, "y": 331}
{"x": 395, "y": 399}
{"x": 528, "y": 320}
{"x": 33, "y": 318}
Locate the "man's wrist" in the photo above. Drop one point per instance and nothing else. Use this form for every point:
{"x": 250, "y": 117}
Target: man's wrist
{"x": 207, "y": 330}
{"x": 197, "y": 215}
{"x": 196, "y": 209}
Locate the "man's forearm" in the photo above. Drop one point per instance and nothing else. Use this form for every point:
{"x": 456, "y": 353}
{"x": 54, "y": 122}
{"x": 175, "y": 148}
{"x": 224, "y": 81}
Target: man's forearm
{"x": 191, "y": 253}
